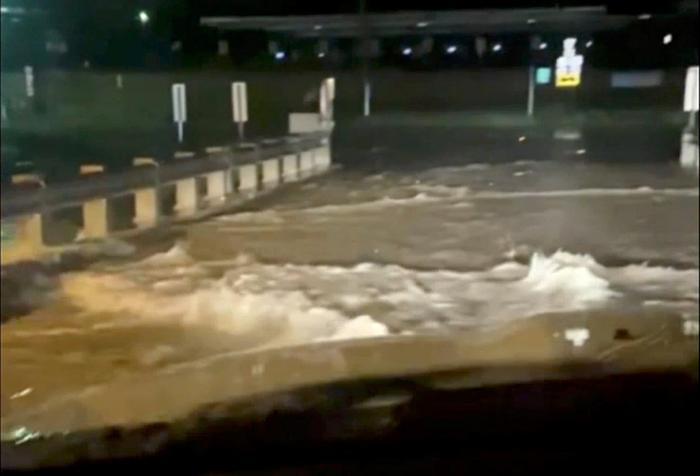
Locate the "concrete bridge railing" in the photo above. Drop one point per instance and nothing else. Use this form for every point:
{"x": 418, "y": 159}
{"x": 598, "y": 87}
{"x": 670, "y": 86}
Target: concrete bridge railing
{"x": 203, "y": 184}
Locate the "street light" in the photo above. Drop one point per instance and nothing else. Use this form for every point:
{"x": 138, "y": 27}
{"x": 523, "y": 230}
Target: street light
{"x": 668, "y": 39}
{"x": 144, "y": 17}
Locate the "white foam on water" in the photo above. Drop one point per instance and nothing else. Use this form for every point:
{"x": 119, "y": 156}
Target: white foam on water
{"x": 265, "y": 217}
{"x": 360, "y": 327}
{"x": 275, "y": 305}
{"x": 588, "y": 192}
{"x": 175, "y": 256}
{"x": 382, "y": 203}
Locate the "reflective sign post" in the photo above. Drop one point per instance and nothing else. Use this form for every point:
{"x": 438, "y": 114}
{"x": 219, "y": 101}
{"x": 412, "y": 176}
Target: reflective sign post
{"x": 179, "y": 109}
{"x": 239, "y": 105}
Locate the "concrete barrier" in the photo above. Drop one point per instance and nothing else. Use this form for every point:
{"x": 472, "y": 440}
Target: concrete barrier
{"x": 24, "y": 209}
{"x": 290, "y": 168}
{"x": 147, "y": 207}
{"x": 89, "y": 169}
{"x": 28, "y": 239}
{"x": 689, "y": 151}
{"x": 96, "y": 218}
{"x": 271, "y": 173}
{"x": 248, "y": 179}
{"x": 322, "y": 158}
{"x": 306, "y": 163}
{"x": 218, "y": 187}
{"x": 186, "y": 197}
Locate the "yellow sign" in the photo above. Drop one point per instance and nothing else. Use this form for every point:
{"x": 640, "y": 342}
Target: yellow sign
{"x": 568, "y": 80}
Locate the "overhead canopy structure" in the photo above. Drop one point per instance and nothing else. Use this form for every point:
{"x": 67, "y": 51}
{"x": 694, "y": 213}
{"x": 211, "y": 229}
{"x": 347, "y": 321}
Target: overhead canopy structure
{"x": 584, "y": 19}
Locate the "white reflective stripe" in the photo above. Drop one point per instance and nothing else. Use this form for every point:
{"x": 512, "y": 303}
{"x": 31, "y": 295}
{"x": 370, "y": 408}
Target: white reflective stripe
{"x": 179, "y": 103}
{"x": 239, "y": 98}
{"x": 29, "y": 80}
{"x": 692, "y": 85}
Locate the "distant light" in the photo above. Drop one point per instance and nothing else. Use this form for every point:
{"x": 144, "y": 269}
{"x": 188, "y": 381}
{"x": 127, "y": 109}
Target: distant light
{"x": 531, "y": 21}
{"x": 589, "y": 43}
{"x": 497, "y": 47}
{"x": 644, "y": 16}
{"x": 581, "y": 152}
{"x": 407, "y": 51}
{"x": 422, "y": 24}
{"x": 318, "y": 27}
{"x": 4, "y": 10}
{"x": 144, "y": 17}
{"x": 280, "y": 55}
{"x": 522, "y": 139}
{"x": 668, "y": 39}
{"x": 450, "y": 50}
{"x": 322, "y": 55}
{"x": 543, "y": 46}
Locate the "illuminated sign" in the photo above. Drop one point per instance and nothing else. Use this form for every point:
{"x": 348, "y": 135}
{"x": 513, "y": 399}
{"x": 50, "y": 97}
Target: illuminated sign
{"x": 544, "y": 75}
{"x": 569, "y": 66}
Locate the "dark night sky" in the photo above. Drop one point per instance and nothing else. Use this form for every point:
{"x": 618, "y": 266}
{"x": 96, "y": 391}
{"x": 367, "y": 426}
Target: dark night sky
{"x": 272, "y": 7}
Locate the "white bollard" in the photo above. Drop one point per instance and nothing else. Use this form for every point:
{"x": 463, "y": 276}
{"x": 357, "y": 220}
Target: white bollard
{"x": 248, "y": 179}
{"x": 186, "y": 197}
{"x": 290, "y": 168}
{"x": 147, "y": 208}
{"x": 218, "y": 187}
{"x": 271, "y": 173}
{"x": 95, "y": 218}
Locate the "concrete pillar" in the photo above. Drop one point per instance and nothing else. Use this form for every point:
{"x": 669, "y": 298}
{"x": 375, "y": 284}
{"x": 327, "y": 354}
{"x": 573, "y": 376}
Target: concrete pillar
{"x": 95, "y": 218}
{"x": 186, "y": 197}
{"x": 689, "y": 151}
{"x": 306, "y": 163}
{"x": 271, "y": 173}
{"x": 26, "y": 240}
{"x": 147, "y": 207}
{"x": 218, "y": 187}
{"x": 248, "y": 179}
{"x": 290, "y": 168}
{"x": 322, "y": 158}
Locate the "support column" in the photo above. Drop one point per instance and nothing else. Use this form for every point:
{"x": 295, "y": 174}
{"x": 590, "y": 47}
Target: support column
{"x": 218, "y": 187}
{"x": 271, "y": 173}
{"x": 322, "y": 158}
{"x": 147, "y": 207}
{"x": 290, "y": 168}
{"x": 689, "y": 151}
{"x": 96, "y": 218}
{"x": 248, "y": 179}
{"x": 24, "y": 240}
{"x": 306, "y": 163}
{"x": 186, "y": 197}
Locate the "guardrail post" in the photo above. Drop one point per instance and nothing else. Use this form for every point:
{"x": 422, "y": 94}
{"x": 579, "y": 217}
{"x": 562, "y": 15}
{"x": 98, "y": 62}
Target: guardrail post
{"x": 28, "y": 239}
{"x": 271, "y": 173}
{"x": 217, "y": 187}
{"x": 186, "y": 197}
{"x": 290, "y": 168}
{"x": 95, "y": 212}
{"x": 147, "y": 206}
{"x": 322, "y": 156}
{"x": 248, "y": 179}
{"x": 306, "y": 163}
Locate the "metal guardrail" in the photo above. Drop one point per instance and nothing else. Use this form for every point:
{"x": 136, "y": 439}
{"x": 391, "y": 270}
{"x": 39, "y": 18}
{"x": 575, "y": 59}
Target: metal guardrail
{"x": 75, "y": 192}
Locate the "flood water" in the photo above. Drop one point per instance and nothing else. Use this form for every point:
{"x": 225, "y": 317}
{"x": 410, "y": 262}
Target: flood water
{"x": 358, "y": 255}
